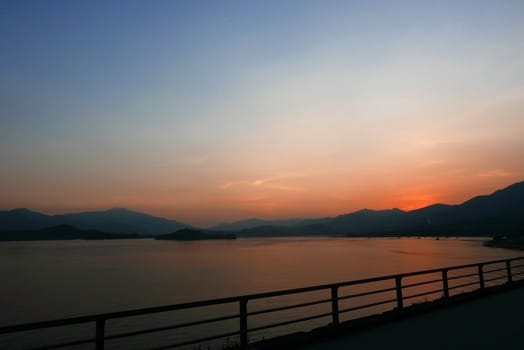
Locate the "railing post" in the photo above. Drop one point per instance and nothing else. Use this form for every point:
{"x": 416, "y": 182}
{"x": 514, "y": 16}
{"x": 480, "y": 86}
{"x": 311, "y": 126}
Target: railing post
{"x": 398, "y": 284}
{"x": 243, "y": 323}
{"x": 334, "y": 304}
{"x": 100, "y": 334}
{"x": 481, "y": 276}
{"x": 445, "y": 283}
{"x": 508, "y": 269}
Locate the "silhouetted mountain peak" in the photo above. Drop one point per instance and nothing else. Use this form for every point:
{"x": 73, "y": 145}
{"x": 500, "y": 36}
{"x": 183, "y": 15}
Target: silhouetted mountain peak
{"x": 501, "y": 206}
{"x": 119, "y": 210}
{"x": 515, "y": 190}
{"x": 111, "y": 211}
{"x": 371, "y": 212}
{"x": 516, "y": 186}
{"x": 25, "y": 211}
{"x": 115, "y": 220}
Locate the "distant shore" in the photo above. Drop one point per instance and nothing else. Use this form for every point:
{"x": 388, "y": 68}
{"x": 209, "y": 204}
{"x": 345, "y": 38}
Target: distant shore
{"x": 507, "y": 242}
{"x": 188, "y": 234}
{"x": 62, "y": 232}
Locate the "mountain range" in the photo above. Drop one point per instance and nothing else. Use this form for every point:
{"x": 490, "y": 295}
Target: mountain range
{"x": 116, "y": 220}
{"x": 501, "y": 212}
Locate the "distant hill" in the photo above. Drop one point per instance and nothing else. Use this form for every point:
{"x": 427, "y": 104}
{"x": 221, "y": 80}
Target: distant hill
{"x": 116, "y": 220}
{"x": 364, "y": 220}
{"x": 286, "y": 231}
{"x": 188, "y": 234}
{"x": 254, "y": 222}
{"x": 498, "y": 213}
{"x": 60, "y": 232}
{"x": 124, "y": 220}
{"x": 25, "y": 219}
{"x": 369, "y": 220}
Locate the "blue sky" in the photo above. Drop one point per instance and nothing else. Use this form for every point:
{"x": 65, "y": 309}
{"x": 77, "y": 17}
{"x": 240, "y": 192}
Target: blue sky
{"x": 211, "y": 110}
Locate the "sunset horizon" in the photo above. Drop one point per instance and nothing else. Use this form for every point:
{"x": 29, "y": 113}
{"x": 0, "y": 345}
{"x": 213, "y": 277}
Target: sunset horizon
{"x": 231, "y": 110}
{"x": 206, "y": 224}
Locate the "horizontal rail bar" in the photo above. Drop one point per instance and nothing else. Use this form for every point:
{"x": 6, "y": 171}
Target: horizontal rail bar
{"x": 496, "y": 278}
{"x": 196, "y": 341}
{"x": 464, "y": 285}
{"x": 497, "y": 273}
{"x": 378, "y": 291}
{"x": 284, "y": 323}
{"x": 114, "y": 315}
{"x": 288, "y": 307}
{"x": 167, "y": 328}
{"x": 422, "y": 283}
{"x": 65, "y": 344}
{"x": 463, "y": 276}
{"x": 422, "y": 294}
{"x": 367, "y": 305}
{"x": 505, "y": 274}
{"x": 517, "y": 266}
{"x": 495, "y": 270}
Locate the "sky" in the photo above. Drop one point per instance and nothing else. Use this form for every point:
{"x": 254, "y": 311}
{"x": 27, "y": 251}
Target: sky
{"x": 213, "y": 111}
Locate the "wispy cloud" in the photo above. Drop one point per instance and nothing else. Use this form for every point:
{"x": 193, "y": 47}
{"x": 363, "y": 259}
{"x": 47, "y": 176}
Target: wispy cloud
{"x": 280, "y": 182}
{"x": 496, "y": 173}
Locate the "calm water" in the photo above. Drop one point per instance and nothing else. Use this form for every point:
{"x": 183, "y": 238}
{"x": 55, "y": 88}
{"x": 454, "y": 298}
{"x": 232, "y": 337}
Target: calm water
{"x": 47, "y": 280}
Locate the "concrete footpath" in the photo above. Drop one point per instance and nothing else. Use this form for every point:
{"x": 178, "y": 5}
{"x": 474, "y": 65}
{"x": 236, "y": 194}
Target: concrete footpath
{"x": 492, "y": 322}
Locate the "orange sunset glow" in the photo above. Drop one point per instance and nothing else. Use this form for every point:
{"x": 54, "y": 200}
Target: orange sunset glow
{"x": 247, "y": 118}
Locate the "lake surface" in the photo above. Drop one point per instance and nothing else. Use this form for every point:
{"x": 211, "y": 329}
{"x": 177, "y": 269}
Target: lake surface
{"x": 54, "y": 279}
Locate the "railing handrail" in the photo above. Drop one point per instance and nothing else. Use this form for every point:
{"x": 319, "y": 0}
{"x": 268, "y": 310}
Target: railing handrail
{"x": 234, "y": 299}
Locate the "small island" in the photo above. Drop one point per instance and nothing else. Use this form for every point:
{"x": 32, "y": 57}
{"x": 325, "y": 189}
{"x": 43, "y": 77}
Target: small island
{"x": 188, "y": 234}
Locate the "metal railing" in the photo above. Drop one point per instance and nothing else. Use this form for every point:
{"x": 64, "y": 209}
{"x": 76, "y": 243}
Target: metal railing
{"x": 449, "y": 279}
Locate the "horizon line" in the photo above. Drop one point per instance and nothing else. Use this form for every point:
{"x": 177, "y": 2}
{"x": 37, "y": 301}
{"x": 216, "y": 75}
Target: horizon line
{"x": 251, "y": 218}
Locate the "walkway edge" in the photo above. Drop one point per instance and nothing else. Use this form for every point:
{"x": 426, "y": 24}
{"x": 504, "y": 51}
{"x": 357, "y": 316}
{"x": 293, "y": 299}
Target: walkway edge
{"x": 317, "y": 335}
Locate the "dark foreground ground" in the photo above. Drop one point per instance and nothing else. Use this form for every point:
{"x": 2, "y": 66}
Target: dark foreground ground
{"x": 491, "y": 322}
